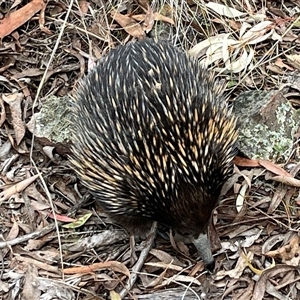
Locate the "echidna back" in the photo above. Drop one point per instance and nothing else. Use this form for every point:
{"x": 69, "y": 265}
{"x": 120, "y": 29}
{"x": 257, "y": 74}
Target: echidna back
{"x": 153, "y": 138}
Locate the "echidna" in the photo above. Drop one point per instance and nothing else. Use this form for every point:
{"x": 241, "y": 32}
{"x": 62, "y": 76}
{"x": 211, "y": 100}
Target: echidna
{"x": 154, "y": 139}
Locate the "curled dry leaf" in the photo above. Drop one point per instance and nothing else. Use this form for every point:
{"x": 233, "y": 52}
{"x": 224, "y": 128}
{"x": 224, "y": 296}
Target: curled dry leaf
{"x": 16, "y": 188}
{"x": 2, "y": 112}
{"x": 149, "y": 20}
{"x": 234, "y": 53}
{"x": 280, "y": 64}
{"x": 287, "y": 252}
{"x": 237, "y": 272}
{"x": 14, "y": 102}
{"x": 222, "y": 47}
{"x": 261, "y": 285}
{"x": 224, "y": 10}
{"x": 30, "y": 276}
{"x": 237, "y": 60}
{"x": 240, "y": 198}
{"x": 165, "y": 257}
{"x": 14, "y": 231}
{"x": 84, "y": 7}
{"x": 157, "y": 17}
{"x": 128, "y": 24}
{"x": 294, "y": 60}
{"x": 272, "y": 241}
{"x": 258, "y": 33}
{"x": 198, "y": 48}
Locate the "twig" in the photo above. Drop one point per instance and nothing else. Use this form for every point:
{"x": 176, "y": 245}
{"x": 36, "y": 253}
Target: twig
{"x": 139, "y": 264}
{"x": 26, "y": 237}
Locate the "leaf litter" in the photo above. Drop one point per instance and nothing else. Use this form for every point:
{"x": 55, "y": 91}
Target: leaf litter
{"x": 255, "y": 227}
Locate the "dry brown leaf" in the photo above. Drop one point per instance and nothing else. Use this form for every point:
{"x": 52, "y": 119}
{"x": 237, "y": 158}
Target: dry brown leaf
{"x": 198, "y": 267}
{"x": 281, "y": 64}
{"x": 38, "y": 72}
{"x": 179, "y": 278}
{"x": 41, "y": 265}
{"x": 244, "y": 294}
{"x": 114, "y": 265}
{"x": 287, "y": 180}
{"x": 128, "y": 24}
{"x": 294, "y": 60}
{"x": 278, "y": 12}
{"x": 30, "y": 277}
{"x": 160, "y": 17}
{"x": 149, "y": 20}
{"x": 34, "y": 244}
{"x": 164, "y": 257}
{"x": 164, "y": 266}
{"x": 143, "y": 3}
{"x": 277, "y": 198}
{"x": 155, "y": 281}
{"x": 42, "y": 21}
{"x": 183, "y": 248}
{"x": 2, "y": 112}
{"x": 14, "y": 102}
{"x": 84, "y": 7}
{"x": 14, "y": 231}
{"x": 17, "y": 18}
{"x": 38, "y": 206}
{"x": 237, "y": 272}
{"x": 260, "y": 287}
{"x": 268, "y": 165}
{"x": 275, "y": 69}
{"x": 33, "y": 192}
{"x": 65, "y": 190}
{"x": 16, "y": 188}
{"x": 245, "y": 162}
{"x": 157, "y": 17}
{"x": 7, "y": 63}
{"x": 287, "y": 252}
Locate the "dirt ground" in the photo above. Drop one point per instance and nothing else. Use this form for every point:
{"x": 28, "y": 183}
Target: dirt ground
{"x": 55, "y": 241}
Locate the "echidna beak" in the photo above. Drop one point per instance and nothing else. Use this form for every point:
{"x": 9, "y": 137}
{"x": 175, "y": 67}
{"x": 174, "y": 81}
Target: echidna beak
{"x": 202, "y": 245}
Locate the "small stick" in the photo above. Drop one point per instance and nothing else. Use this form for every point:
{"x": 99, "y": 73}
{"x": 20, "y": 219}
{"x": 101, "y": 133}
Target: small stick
{"x": 26, "y": 237}
{"x": 139, "y": 264}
